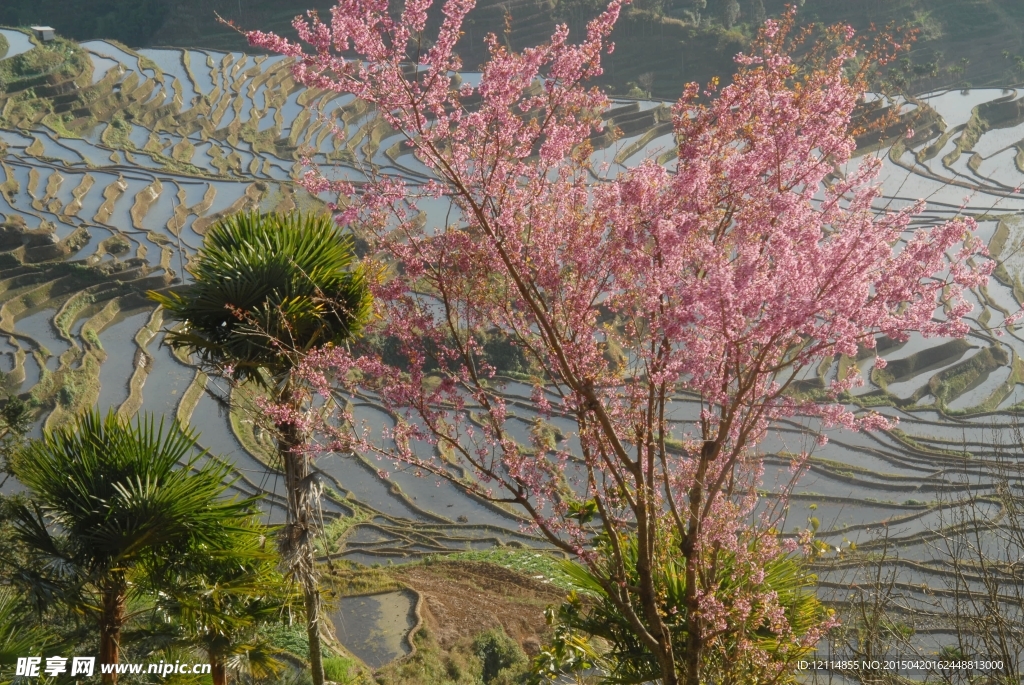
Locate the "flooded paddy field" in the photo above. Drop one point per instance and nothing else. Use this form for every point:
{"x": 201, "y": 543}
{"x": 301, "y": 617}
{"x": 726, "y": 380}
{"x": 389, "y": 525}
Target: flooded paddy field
{"x": 375, "y": 627}
{"x": 116, "y": 202}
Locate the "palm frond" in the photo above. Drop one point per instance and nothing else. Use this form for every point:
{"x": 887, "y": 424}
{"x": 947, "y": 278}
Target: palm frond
{"x": 266, "y": 288}
{"x": 17, "y": 637}
{"x": 111, "y": 496}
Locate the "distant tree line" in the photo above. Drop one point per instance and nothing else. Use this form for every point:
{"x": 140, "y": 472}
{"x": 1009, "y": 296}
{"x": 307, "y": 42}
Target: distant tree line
{"x": 132, "y": 22}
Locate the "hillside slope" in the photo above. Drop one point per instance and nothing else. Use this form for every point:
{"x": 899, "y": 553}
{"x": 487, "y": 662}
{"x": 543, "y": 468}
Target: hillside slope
{"x": 660, "y": 42}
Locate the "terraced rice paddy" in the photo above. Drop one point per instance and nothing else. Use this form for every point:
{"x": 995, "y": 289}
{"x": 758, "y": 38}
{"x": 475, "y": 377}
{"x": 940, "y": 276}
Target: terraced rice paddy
{"x": 107, "y": 192}
{"x": 390, "y": 615}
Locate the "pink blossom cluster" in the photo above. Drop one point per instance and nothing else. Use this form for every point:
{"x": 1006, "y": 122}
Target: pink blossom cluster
{"x": 716, "y": 282}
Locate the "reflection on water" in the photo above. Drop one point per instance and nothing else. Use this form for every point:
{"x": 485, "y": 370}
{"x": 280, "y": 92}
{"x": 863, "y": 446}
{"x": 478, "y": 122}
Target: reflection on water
{"x": 376, "y": 627}
{"x": 17, "y": 43}
{"x": 948, "y": 443}
{"x": 119, "y": 343}
{"x": 40, "y": 328}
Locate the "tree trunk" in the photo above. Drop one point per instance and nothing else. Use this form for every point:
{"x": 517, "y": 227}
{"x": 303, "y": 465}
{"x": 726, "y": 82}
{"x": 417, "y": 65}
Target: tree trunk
{"x": 648, "y": 593}
{"x": 312, "y": 597}
{"x": 111, "y": 620}
{"x": 300, "y": 532}
{"x": 694, "y": 644}
{"x": 694, "y": 625}
{"x": 218, "y": 673}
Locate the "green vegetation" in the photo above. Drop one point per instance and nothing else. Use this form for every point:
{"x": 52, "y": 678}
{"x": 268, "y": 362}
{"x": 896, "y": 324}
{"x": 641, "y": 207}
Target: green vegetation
{"x": 154, "y": 510}
{"x": 18, "y": 633}
{"x": 430, "y": 664}
{"x": 502, "y": 658}
{"x": 504, "y": 356}
{"x": 269, "y": 288}
{"x": 218, "y": 596}
{"x": 621, "y": 654}
{"x": 522, "y": 561}
{"x": 290, "y": 638}
{"x": 339, "y": 669}
{"x": 293, "y": 286}
{"x": 49, "y": 63}
{"x": 132, "y": 22}
{"x": 15, "y": 419}
{"x": 660, "y": 43}
{"x": 168, "y": 567}
{"x": 490, "y": 658}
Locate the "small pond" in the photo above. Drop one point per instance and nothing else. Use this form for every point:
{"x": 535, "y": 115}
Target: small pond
{"x": 376, "y": 627}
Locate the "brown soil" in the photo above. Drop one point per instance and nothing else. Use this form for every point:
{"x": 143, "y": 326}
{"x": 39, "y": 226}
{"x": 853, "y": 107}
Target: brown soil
{"x": 463, "y": 599}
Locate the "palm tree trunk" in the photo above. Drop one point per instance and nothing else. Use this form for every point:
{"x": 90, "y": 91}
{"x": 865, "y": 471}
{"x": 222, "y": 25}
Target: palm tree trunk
{"x": 218, "y": 673}
{"x": 300, "y": 532}
{"x": 111, "y": 620}
{"x": 312, "y": 599}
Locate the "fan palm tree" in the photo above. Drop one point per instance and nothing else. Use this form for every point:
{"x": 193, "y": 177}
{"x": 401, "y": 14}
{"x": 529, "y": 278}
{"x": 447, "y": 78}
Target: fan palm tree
{"x": 112, "y": 501}
{"x": 269, "y": 288}
{"x": 18, "y": 636}
{"x": 216, "y": 598}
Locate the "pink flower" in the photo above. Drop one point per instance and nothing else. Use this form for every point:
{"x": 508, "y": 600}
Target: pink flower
{"x": 664, "y": 315}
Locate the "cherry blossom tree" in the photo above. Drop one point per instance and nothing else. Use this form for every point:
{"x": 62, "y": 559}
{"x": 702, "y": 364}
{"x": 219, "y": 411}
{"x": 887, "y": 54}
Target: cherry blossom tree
{"x": 711, "y": 285}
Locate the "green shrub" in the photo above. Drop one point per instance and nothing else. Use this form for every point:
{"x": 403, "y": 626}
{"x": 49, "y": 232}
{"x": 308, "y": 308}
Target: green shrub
{"x": 500, "y": 655}
{"x": 291, "y": 638}
{"x": 118, "y": 245}
{"x": 597, "y": 634}
{"x": 337, "y": 669}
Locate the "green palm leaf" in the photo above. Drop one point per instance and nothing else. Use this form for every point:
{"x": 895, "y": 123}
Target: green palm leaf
{"x": 113, "y": 500}
{"x": 17, "y": 637}
{"x": 267, "y": 286}
{"x": 218, "y": 596}
{"x": 627, "y": 660}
